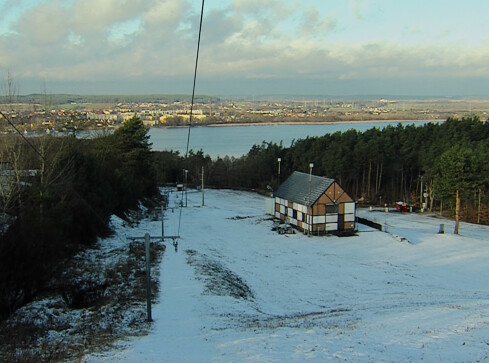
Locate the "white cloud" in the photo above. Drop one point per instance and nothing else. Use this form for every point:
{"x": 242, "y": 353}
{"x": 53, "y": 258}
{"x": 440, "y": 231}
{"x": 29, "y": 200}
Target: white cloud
{"x": 255, "y": 6}
{"x": 316, "y": 24}
{"x": 47, "y": 23}
{"x": 220, "y": 25}
{"x": 91, "y": 16}
{"x": 120, "y": 32}
{"x": 166, "y": 13}
{"x": 126, "y": 40}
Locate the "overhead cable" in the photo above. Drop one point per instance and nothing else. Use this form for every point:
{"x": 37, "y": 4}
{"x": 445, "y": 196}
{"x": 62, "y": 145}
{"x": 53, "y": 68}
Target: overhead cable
{"x": 192, "y": 104}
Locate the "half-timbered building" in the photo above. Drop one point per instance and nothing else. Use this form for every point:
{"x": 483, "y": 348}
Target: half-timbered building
{"x": 315, "y": 204}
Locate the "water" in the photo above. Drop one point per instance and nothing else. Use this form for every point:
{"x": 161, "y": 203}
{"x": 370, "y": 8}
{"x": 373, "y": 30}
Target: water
{"x": 238, "y": 140}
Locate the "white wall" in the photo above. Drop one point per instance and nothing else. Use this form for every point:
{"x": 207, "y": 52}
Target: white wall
{"x": 270, "y": 206}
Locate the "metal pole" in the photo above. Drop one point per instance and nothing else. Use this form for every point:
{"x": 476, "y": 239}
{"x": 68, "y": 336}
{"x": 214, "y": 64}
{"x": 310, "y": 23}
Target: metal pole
{"x": 457, "y": 212}
{"x": 148, "y": 277}
{"x": 202, "y": 186}
{"x": 186, "y": 183}
{"x": 279, "y": 160}
{"x": 479, "y": 208}
{"x": 162, "y": 224}
{"x": 421, "y": 196}
{"x": 311, "y": 165}
{"x": 183, "y": 186}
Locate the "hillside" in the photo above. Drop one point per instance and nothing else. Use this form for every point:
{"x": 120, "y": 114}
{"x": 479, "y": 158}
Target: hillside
{"x": 237, "y": 291}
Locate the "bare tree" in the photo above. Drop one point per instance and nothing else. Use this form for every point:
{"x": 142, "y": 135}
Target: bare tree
{"x": 11, "y": 91}
{"x": 10, "y": 178}
{"x": 47, "y": 99}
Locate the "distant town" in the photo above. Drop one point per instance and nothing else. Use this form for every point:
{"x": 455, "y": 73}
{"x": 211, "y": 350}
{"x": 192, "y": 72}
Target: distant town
{"x": 70, "y": 113}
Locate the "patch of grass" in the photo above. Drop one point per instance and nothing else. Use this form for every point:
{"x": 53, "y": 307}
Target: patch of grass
{"x": 107, "y": 302}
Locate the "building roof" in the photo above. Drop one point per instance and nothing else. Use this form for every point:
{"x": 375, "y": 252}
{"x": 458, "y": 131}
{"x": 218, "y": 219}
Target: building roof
{"x": 296, "y": 188}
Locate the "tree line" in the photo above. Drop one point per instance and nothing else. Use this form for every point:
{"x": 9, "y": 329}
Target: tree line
{"x": 418, "y": 164}
{"x": 57, "y": 196}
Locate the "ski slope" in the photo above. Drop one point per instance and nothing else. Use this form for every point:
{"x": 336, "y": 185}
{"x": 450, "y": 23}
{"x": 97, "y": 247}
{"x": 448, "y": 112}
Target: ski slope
{"x": 236, "y": 291}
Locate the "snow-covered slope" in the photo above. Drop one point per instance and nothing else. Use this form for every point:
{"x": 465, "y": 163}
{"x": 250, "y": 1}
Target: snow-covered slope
{"x": 236, "y": 291}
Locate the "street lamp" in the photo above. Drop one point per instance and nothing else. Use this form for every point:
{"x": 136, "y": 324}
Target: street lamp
{"x": 311, "y": 165}
{"x": 186, "y": 173}
{"x": 279, "y": 161}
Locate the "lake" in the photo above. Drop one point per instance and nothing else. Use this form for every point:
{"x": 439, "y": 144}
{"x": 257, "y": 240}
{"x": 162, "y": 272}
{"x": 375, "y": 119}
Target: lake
{"x": 238, "y": 140}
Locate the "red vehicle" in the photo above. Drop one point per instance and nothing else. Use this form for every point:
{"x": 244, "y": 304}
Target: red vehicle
{"x": 402, "y": 207}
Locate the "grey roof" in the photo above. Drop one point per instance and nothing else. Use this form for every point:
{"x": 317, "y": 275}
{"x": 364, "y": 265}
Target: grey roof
{"x": 296, "y": 188}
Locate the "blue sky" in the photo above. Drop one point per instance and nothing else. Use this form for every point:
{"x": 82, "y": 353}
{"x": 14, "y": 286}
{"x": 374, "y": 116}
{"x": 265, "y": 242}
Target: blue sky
{"x": 249, "y": 47}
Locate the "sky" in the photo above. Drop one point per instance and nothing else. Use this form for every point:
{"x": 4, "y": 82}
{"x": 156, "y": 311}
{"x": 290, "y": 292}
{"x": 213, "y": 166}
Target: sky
{"x": 248, "y": 47}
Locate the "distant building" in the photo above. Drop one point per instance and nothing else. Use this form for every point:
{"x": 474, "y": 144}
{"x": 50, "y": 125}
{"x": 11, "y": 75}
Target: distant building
{"x": 149, "y": 122}
{"x": 101, "y": 116}
{"x": 124, "y": 116}
{"x": 315, "y": 205}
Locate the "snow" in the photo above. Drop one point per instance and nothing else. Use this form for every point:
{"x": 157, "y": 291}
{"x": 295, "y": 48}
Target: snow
{"x": 236, "y": 291}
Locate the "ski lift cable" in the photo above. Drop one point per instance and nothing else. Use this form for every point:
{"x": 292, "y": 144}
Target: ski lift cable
{"x": 192, "y": 104}
{"x": 195, "y": 78}
{"x": 22, "y": 135}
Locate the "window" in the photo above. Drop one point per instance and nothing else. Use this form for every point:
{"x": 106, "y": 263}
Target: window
{"x": 332, "y": 208}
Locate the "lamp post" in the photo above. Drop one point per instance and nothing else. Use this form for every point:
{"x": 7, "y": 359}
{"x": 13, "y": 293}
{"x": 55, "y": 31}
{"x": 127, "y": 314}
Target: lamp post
{"x": 421, "y": 195}
{"x": 186, "y": 173}
{"x": 279, "y": 161}
{"x": 311, "y": 165}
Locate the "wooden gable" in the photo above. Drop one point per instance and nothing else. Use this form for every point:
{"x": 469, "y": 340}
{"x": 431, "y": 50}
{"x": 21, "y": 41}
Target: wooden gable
{"x": 334, "y": 194}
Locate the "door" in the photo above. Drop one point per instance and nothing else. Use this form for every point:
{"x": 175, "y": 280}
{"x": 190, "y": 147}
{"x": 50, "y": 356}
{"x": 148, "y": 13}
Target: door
{"x": 341, "y": 222}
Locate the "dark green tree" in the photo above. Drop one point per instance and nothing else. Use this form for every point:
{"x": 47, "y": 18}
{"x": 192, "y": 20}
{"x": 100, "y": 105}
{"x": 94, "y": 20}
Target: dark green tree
{"x": 455, "y": 172}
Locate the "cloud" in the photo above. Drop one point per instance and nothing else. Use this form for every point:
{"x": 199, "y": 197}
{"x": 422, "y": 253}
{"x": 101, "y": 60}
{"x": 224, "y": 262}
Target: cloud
{"x": 142, "y": 41}
{"x": 257, "y": 7}
{"x": 92, "y": 16}
{"x": 47, "y": 23}
{"x": 314, "y": 23}
{"x": 412, "y": 30}
{"x": 358, "y": 8}
{"x": 165, "y": 14}
{"x": 221, "y": 24}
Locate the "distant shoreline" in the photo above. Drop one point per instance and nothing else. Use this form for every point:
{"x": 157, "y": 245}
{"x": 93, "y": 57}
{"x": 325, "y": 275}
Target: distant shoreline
{"x": 301, "y": 123}
{"x": 315, "y": 122}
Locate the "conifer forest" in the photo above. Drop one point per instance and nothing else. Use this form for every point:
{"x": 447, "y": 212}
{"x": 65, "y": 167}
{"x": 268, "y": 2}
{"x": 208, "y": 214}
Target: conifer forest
{"x": 61, "y": 191}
